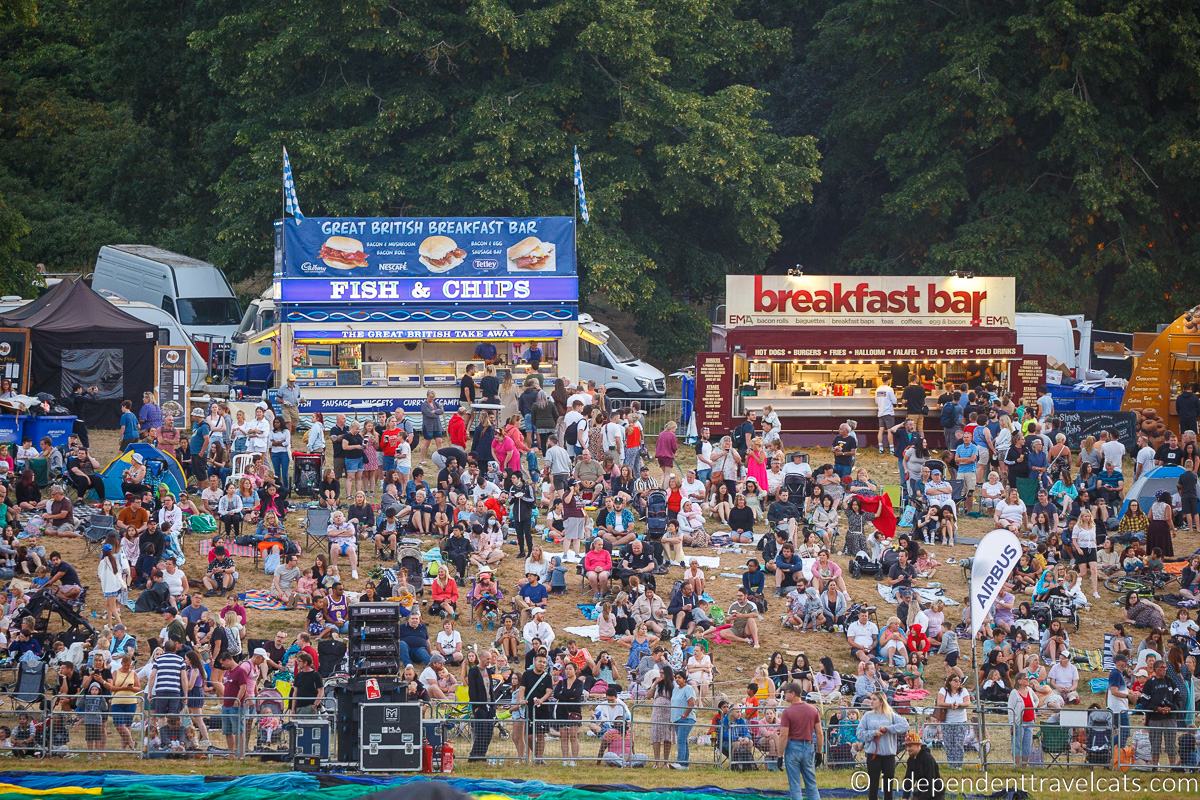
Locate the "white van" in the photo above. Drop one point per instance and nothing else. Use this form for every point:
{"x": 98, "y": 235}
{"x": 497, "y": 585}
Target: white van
{"x": 605, "y": 359}
{"x": 1065, "y": 339}
{"x": 192, "y": 291}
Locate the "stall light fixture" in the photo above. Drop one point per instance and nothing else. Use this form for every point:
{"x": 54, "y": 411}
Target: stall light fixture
{"x": 958, "y": 273}
{"x": 796, "y": 271}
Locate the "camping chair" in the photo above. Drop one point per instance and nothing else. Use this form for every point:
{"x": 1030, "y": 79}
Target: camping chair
{"x": 958, "y": 491}
{"x": 41, "y": 471}
{"x": 1106, "y": 658}
{"x": 1056, "y": 742}
{"x": 96, "y": 530}
{"x": 31, "y": 684}
{"x": 316, "y": 527}
{"x": 1027, "y": 489}
{"x": 241, "y": 465}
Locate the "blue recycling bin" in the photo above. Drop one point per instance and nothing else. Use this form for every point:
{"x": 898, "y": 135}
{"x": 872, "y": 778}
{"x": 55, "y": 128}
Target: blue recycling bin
{"x": 59, "y": 429}
{"x": 11, "y": 426}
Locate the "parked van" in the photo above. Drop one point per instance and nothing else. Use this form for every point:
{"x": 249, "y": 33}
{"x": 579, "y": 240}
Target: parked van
{"x": 194, "y": 292}
{"x": 605, "y": 359}
{"x": 1065, "y": 339}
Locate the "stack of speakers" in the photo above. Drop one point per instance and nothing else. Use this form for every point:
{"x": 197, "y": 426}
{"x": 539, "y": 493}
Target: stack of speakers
{"x": 374, "y": 639}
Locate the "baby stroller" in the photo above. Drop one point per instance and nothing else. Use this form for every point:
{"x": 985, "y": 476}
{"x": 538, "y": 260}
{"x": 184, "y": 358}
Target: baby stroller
{"x": 797, "y": 486}
{"x": 268, "y": 722}
{"x": 861, "y": 565}
{"x": 656, "y": 521}
{"x": 307, "y": 473}
{"x": 409, "y": 558}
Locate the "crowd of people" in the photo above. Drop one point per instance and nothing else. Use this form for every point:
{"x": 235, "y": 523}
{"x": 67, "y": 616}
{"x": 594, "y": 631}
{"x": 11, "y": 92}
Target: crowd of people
{"x": 521, "y": 487}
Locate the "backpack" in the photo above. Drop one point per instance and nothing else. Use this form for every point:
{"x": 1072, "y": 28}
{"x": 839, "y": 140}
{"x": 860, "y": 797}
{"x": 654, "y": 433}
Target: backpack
{"x": 948, "y": 414}
{"x": 572, "y": 434}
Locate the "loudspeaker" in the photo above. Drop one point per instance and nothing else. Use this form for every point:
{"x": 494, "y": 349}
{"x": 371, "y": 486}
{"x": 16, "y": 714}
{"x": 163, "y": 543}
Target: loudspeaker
{"x": 350, "y": 699}
{"x": 330, "y": 653}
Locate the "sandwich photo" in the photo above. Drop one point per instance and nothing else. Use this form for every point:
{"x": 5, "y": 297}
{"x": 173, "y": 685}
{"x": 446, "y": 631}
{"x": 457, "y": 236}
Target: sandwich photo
{"x": 342, "y": 252}
{"x": 531, "y": 254}
{"x": 441, "y": 253}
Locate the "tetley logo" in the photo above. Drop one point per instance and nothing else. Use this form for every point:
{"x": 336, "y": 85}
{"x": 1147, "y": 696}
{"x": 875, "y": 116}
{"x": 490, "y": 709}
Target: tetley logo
{"x": 309, "y": 266}
{"x": 486, "y": 264}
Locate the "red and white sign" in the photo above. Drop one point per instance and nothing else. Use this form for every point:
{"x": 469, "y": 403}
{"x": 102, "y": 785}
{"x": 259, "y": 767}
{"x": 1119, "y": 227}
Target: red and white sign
{"x": 372, "y": 688}
{"x": 870, "y": 301}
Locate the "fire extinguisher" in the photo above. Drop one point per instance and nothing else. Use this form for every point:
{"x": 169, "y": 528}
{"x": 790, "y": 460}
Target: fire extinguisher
{"x": 447, "y": 757}
{"x": 427, "y": 757}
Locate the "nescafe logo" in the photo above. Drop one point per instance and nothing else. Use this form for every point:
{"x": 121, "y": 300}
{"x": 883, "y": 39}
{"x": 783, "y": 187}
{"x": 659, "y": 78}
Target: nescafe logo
{"x": 5, "y": 348}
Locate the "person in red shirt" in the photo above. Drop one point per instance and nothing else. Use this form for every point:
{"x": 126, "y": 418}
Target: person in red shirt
{"x": 456, "y": 429}
{"x": 389, "y": 442}
{"x": 237, "y": 690}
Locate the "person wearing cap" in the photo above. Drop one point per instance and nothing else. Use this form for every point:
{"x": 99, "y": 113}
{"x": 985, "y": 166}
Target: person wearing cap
{"x": 122, "y": 641}
{"x": 438, "y": 681}
{"x": 537, "y": 628}
{"x": 922, "y": 776}
{"x": 533, "y": 594}
{"x": 1064, "y": 678}
{"x": 289, "y": 400}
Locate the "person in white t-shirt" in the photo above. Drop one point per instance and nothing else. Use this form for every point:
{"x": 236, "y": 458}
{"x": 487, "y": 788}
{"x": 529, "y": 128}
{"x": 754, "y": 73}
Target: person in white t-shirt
{"x": 613, "y": 436}
{"x": 1064, "y": 678}
{"x": 1011, "y": 512}
{"x": 797, "y": 466}
{"x": 1145, "y": 456}
{"x": 450, "y": 643}
{"x": 693, "y": 488}
{"x": 704, "y": 455}
{"x": 885, "y": 410}
{"x": 1111, "y": 449}
{"x": 258, "y": 431}
{"x": 862, "y": 635}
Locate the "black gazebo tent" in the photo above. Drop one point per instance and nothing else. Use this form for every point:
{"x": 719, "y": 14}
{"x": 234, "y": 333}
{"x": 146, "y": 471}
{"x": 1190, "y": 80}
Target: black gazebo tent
{"x": 79, "y": 338}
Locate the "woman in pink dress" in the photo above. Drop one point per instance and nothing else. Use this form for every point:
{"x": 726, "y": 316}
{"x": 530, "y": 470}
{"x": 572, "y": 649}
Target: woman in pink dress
{"x": 665, "y": 447}
{"x": 756, "y": 462}
{"x": 371, "y": 462}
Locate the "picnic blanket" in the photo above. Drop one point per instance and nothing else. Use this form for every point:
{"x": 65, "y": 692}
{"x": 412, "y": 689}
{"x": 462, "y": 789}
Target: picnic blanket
{"x": 239, "y": 550}
{"x": 589, "y": 632}
{"x": 261, "y": 600}
{"x": 885, "y": 514}
{"x": 927, "y": 595}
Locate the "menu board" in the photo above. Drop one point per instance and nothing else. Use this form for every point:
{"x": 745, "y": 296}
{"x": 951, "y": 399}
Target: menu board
{"x": 14, "y": 357}
{"x": 1078, "y": 425}
{"x": 1147, "y": 386}
{"x": 1025, "y": 375}
{"x": 714, "y": 391}
{"x": 172, "y": 374}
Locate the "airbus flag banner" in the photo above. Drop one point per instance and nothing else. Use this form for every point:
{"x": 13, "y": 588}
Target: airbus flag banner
{"x": 995, "y": 558}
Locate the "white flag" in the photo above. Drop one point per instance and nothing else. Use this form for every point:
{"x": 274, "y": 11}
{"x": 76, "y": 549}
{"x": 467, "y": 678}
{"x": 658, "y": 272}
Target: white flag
{"x": 995, "y": 559}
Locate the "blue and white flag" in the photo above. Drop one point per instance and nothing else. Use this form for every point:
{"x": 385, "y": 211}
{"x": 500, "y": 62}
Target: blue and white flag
{"x": 291, "y": 203}
{"x": 583, "y": 209}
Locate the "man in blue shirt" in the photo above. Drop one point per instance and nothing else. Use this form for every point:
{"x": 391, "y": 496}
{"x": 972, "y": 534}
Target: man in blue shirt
{"x": 1111, "y": 484}
{"x": 198, "y": 446}
{"x": 129, "y": 425}
{"x": 532, "y": 595}
{"x": 1118, "y": 697}
{"x": 966, "y": 457}
{"x": 786, "y": 568}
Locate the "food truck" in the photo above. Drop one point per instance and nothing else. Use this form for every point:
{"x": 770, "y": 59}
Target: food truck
{"x": 815, "y": 348}
{"x": 374, "y": 312}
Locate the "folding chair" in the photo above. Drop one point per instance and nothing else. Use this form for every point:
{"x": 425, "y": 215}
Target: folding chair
{"x": 316, "y": 527}
{"x": 1056, "y": 742}
{"x": 96, "y": 530}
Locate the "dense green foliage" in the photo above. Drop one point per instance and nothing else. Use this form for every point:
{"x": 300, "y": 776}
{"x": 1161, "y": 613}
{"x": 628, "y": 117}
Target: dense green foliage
{"x": 1054, "y": 141}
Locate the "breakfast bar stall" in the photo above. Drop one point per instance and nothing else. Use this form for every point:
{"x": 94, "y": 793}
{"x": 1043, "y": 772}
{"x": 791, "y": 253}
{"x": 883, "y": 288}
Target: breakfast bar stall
{"x": 816, "y": 347}
{"x": 375, "y": 312}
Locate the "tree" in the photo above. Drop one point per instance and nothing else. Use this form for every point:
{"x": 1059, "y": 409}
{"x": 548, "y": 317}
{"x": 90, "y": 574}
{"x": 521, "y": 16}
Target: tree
{"x": 1050, "y": 141}
{"x": 473, "y": 107}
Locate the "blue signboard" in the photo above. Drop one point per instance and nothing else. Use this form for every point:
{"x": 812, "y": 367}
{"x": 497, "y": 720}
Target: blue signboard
{"x": 412, "y": 334}
{"x": 444, "y": 313}
{"x": 502, "y": 289}
{"x": 369, "y": 405}
{"x": 424, "y": 247}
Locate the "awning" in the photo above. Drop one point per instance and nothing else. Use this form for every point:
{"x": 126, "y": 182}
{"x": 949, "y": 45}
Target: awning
{"x": 336, "y": 336}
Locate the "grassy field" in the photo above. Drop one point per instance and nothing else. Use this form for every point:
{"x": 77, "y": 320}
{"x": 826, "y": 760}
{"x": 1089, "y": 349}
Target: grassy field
{"x": 735, "y": 663}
